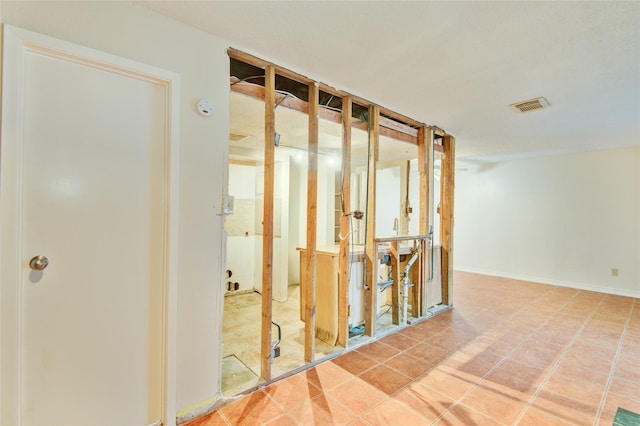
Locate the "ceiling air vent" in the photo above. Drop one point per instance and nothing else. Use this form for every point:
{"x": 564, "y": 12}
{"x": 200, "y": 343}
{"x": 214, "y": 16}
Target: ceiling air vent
{"x": 531, "y": 105}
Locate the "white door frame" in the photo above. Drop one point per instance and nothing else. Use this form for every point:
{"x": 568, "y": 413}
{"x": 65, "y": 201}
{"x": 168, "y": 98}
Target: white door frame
{"x": 16, "y": 44}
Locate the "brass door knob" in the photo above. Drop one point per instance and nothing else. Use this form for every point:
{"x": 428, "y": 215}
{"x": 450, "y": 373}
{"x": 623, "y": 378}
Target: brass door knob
{"x": 38, "y": 263}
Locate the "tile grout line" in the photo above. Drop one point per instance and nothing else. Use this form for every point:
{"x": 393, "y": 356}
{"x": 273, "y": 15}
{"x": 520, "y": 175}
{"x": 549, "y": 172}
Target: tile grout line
{"x": 555, "y": 366}
{"x": 482, "y": 379}
{"x": 614, "y": 363}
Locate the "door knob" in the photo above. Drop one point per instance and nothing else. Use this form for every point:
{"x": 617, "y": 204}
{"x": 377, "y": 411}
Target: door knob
{"x": 38, "y": 263}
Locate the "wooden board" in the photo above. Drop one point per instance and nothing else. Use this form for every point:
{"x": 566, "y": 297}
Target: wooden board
{"x": 326, "y": 294}
{"x": 371, "y": 257}
{"x": 447, "y": 181}
{"x": 312, "y": 219}
{"x": 267, "y": 221}
{"x": 343, "y": 288}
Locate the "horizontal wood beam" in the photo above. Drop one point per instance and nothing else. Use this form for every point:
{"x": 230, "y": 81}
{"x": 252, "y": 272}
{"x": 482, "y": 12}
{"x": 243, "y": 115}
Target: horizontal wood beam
{"x": 237, "y": 162}
{"x": 388, "y": 128}
{"x": 401, "y": 118}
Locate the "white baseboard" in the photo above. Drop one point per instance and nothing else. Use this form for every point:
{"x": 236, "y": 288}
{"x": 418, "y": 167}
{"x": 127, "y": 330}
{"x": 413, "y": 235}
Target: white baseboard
{"x": 578, "y": 286}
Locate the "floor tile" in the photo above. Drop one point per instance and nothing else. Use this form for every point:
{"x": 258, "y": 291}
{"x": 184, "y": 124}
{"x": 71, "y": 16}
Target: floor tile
{"x": 477, "y": 366}
{"x": 577, "y": 388}
{"x": 613, "y": 402}
{"x": 323, "y": 410}
{"x": 399, "y": 341}
{"x": 595, "y": 350}
{"x": 409, "y": 365}
{"x": 358, "y": 395}
{"x": 448, "y": 381}
{"x": 460, "y": 415}
{"x": 450, "y": 340}
{"x": 292, "y": 391}
{"x": 384, "y": 378}
{"x": 536, "y": 417}
{"x": 566, "y": 409}
{"x": 327, "y": 375}
{"x": 518, "y": 376}
{"x": 255, "y": 408}
{"x": 627, "y": 371}
{"x": 394, "y": 412}
{"x": 283, "y": 420}
{"x": 580, "y": 373}
{"x": 378, "y": 351}
{"x": 625, "y": 388}
{"x": 213, "y": 419}
{"x": 581, "y": 359}
{"x": 354, "y": 362}
{"x": 534, "y": 357}
{"x": 497, "y": 402}
{"x": 426, "y": 401}
{"x": 428, "y": 353}
{"x": 504, "y": 340}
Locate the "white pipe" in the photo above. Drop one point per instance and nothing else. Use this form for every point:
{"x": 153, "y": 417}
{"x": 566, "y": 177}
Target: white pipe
{"x": 406, "y": 285}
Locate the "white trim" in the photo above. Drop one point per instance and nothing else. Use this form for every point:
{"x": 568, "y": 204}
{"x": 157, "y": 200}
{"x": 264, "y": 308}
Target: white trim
{"x": 539, "y": 280}
{"x": 17, "y": 42}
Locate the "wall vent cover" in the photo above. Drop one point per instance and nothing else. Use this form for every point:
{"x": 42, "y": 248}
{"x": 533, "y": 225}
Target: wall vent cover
{"x": 531, "y": 105}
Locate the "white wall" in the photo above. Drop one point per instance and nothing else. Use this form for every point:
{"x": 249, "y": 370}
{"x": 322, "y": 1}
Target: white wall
{"x": 241, "y": 227}
{"x": 565, "y": 219}
{"x": 297, "y": 216}
{"x": 128, "y": 30}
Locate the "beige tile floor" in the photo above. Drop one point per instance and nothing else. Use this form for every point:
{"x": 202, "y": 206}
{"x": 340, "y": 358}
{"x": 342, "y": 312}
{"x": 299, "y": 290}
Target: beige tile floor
{"x": 241, "y": 330}
{"x": 511, "y": 352}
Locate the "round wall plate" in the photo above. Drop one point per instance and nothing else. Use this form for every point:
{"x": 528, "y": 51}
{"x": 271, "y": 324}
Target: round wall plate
{"x": 205, "y": 107}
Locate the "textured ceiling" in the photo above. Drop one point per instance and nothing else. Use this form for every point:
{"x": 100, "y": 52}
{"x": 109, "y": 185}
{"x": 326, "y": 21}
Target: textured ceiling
{"x": 458, "y": 65}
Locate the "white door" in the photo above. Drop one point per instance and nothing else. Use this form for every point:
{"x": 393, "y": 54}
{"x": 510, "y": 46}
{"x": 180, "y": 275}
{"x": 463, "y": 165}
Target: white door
{"x": 86, "y": 161}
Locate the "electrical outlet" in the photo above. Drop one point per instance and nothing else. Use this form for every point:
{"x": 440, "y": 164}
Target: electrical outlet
{"x": 227, "y": 204}
{"x": 614, "y": 272}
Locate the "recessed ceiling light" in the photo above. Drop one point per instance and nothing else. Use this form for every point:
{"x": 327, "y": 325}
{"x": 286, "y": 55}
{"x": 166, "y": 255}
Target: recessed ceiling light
{"x": 530, "y": 105}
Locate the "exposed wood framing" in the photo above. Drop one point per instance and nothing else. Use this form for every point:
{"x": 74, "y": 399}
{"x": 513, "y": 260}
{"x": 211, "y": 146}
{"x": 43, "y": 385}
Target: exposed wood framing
{"x": 312, "y": 219}
{"x": 267, "y": 222}
{"x": 425, "y": 171}
{"x": 392, "y": 129}
{"x": 345, "y": 229}
{"x": 415, "y": 278}
{"x": 381, "y": 122}
{"x": 395, "y": 290}
{"x": 447, "y": 181}
{"x": 261, "y": 63}
{"x": 405, "y": 127}
{"x": 243, "y": 162}
{"x": 388, "y": 128}
{"x": 371, "y": 258}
